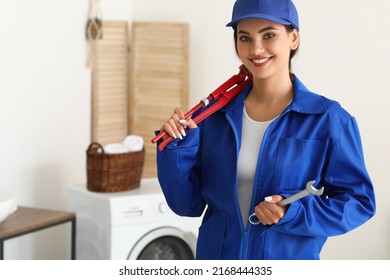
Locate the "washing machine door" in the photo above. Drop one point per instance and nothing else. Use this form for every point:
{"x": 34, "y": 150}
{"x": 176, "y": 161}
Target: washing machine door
{"x": 165, "y": 243}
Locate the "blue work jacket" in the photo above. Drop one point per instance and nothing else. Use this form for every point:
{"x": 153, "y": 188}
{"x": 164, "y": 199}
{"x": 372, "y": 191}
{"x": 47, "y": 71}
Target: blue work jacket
{"x": 313, "y": 139}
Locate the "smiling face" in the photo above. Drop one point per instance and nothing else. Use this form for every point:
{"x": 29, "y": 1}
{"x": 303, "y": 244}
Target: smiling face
{"x": 265, "y": 47}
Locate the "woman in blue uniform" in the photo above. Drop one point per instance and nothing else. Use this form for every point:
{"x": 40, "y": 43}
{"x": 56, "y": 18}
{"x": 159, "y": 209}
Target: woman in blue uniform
{"x": 264, "y": 146}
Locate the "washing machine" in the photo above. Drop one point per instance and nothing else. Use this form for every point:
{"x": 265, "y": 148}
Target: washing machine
{"x": 134, "y": 224}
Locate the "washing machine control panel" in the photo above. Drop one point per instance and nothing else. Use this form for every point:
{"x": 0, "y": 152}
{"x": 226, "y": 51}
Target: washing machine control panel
{"x": 140, "y": 211}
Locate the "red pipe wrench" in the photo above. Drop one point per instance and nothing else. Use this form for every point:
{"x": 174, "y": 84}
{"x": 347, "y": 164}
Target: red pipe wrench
{"x": 224, "y": 93}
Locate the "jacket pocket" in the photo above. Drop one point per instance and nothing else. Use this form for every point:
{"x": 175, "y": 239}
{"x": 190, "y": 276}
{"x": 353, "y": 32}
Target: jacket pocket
{"x": 282, "y": 246}
{"x": 211, "y": 237}
{"x": 297, "y": 162}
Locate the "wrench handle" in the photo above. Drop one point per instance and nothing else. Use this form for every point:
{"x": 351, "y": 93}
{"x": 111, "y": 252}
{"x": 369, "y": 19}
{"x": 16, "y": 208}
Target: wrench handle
{"x": 293, "y": 198}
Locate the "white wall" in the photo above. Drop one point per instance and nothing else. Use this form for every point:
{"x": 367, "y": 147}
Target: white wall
{"x": 45, "y": 109}
{"x": 345, "y": 56}
{"x": 45, "y": 94}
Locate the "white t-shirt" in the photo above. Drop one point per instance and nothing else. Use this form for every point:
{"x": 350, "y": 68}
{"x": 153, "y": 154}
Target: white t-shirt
{"x": 252, "y": 135}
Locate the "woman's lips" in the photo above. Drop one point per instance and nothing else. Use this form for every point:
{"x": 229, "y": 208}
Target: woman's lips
{"x": 258, "y": 62}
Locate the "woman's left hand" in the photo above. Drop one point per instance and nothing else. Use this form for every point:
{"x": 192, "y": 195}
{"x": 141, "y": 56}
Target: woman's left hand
{"x": 269, "y": 212}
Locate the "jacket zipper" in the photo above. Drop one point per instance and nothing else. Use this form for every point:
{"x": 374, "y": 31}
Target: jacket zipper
{"x": 257, "y": 175}
{"x": 244, "y": 241}
{"x": 249, "y": 227}
{"x": 246, "y": 232}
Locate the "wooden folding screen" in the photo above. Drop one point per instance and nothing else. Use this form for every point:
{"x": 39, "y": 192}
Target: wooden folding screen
{"x": 158, "y": 79}
{"x": 110, "y": 90}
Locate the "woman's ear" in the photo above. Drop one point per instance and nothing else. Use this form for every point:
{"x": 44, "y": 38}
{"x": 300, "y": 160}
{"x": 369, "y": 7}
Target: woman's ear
{"x": 295, "y": 39}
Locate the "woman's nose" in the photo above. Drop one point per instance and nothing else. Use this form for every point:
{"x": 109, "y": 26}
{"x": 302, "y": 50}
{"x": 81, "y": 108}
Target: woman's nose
{"x": 257, "y": 48}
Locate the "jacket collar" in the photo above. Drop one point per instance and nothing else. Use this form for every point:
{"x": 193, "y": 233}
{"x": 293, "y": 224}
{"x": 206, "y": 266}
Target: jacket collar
{"x": 304, "y": 101}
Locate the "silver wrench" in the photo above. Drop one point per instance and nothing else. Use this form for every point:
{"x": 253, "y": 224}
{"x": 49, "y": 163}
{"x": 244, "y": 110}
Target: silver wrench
{"x": 310, "y": 189}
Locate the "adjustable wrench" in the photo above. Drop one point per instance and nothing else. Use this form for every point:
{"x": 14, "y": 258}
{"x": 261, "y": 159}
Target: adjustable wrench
{"x": 310, "y": 189}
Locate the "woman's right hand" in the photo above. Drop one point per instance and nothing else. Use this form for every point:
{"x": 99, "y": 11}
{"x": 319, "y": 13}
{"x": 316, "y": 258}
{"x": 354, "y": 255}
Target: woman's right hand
{"x": 177, "y": 125}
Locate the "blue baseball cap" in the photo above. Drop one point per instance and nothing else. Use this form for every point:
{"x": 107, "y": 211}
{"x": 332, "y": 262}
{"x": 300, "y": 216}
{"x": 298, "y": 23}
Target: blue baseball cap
{"x": 279, "y": 11}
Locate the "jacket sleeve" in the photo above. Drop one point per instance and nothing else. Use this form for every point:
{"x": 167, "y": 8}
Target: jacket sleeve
{"x": 178, "y": 174}
{"x": 349, "y": 199}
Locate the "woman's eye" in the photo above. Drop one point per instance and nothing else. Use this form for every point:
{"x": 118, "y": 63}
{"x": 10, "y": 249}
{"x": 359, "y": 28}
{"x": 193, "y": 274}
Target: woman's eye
{"x": 244, "y": 38}
{"x": 269, "y": 36}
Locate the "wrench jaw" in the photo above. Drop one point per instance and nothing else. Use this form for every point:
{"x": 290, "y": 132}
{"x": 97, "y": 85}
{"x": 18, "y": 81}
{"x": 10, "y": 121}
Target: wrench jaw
{"x": 313, "y": 190}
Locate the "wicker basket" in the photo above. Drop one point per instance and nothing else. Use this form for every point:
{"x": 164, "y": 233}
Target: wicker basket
{"x": 113, "y": 172}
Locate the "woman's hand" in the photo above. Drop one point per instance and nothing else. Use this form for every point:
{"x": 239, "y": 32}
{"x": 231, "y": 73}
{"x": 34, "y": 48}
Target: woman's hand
{"x": 268, "y": 211}
{"x": 177, "y": 125}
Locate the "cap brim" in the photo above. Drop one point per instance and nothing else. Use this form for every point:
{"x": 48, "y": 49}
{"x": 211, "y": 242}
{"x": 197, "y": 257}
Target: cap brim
{"x": 260, "y": 16}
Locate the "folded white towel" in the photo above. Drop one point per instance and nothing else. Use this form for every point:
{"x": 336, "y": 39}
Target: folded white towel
{"x": 115, "y": 148}
{"x": 134, "y": 143}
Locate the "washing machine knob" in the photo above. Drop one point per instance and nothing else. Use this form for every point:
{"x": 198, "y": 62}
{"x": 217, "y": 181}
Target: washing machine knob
{"x": 163, "y": 207}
